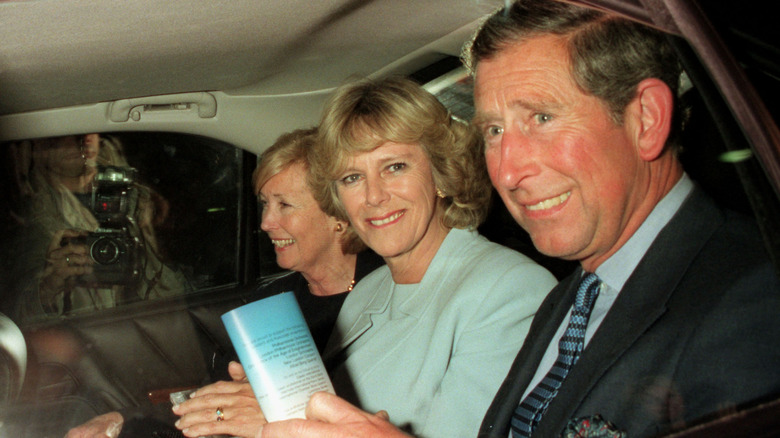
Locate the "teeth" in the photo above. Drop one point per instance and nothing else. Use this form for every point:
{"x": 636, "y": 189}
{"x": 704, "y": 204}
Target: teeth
{"x": 387, "y": 220}
{"x": 549, "y": 203}
{"x": 280, "y": 243}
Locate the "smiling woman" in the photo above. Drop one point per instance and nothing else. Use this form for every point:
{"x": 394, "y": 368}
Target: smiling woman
{"x": 444, "y": 318}
{"x": 325, "y": 254}
{"x": 296, "y": 225}
{"x": 409, "y": 233}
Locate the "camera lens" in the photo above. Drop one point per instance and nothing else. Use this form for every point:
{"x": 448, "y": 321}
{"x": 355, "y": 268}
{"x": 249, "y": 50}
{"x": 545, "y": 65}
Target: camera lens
{"x": 105, "y": 251}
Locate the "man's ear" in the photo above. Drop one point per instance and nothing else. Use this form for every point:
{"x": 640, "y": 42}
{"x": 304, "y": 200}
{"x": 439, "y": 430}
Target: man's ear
{"x": 651, "y": 113}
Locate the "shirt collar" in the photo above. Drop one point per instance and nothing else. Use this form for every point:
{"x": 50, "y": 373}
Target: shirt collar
{"x": 616, "y": 269}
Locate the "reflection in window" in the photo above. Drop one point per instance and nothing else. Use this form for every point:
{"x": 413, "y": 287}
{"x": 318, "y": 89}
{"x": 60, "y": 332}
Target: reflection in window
{"x": 95, "y": 221}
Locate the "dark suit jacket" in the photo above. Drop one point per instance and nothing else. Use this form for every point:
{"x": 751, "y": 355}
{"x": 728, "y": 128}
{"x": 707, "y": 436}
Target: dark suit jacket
{"x": 694, "y": 330}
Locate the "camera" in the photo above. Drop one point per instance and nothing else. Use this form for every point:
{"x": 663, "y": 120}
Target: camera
{"x": 113, "y": 247}
{"x": 112, "y": 200}
{"x": 115, "y": 254}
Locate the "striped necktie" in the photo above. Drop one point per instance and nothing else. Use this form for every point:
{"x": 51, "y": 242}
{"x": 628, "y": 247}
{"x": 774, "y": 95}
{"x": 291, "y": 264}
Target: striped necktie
{"x": 530, "y": 410}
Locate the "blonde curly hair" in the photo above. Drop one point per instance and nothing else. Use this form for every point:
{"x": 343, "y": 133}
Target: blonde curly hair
{"x": 364, "y": 115}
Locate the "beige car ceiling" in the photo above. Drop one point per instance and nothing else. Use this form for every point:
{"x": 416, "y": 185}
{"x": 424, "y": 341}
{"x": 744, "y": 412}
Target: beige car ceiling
{"x": 58, "y": 53}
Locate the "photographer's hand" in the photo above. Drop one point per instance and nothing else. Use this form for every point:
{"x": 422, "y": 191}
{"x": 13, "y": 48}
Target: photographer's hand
{"x": 65, "y": 260}
{"x": 103, "y": 426}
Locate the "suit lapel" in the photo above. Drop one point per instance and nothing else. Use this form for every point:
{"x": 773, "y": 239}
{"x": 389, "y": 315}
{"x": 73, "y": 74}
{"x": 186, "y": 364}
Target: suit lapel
{"x": 641, "y": 302}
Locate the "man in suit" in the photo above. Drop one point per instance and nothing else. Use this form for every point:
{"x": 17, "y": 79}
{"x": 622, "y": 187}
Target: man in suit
{"x": 578, "y": 111}
{"x": 580, "y": 118}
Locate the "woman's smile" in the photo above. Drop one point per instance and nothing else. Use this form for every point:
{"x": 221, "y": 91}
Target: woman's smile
{"x": 393, "y": 217}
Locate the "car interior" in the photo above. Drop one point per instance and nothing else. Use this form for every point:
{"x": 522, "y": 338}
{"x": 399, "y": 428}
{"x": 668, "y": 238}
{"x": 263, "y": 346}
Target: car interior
{"x": 186, "y": 94}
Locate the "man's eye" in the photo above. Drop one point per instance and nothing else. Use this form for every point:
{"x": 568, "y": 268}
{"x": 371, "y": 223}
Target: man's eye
{"x": 494, "y": 131}
{"x": 542, "y": 118}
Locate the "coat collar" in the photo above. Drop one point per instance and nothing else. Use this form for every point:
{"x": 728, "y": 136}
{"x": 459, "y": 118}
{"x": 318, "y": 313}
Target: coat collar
{"x": 364, "y": 302}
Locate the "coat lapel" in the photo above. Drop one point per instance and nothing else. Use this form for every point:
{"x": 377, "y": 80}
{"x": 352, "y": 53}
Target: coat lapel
{"x": 371, "y": 303}
{"x": 356, "y": 316}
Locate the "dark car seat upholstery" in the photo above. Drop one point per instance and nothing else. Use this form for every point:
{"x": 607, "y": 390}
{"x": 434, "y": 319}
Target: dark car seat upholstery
{"x": 81, "y": 367}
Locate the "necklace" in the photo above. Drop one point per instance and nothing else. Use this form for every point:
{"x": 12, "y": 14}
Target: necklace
{"x": 349, "y": 288}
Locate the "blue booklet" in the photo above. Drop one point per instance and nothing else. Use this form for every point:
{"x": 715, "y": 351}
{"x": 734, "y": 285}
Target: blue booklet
{"x": 278, "y": 353}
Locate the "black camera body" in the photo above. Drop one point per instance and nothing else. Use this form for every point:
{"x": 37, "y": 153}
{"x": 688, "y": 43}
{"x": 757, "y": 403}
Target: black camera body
{"x": 112, "y": 202}
{"x": 115, "y": 254}
{"x": 113, "y": 247}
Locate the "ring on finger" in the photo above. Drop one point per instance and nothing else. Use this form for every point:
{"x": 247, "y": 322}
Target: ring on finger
{"x": 67, "y": 260}
{"x": 220, "y": 414}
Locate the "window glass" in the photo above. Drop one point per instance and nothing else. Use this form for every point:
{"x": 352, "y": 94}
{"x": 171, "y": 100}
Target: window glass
{"x": 95, "y": 221}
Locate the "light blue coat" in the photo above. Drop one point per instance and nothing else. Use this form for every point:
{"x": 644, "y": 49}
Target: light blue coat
{"x": 433, "y": 354}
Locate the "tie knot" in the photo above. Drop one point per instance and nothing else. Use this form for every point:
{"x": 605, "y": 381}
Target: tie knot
{"x": 587, "y": 291}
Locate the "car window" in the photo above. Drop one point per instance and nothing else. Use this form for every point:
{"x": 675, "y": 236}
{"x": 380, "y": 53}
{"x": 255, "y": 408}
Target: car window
{"x": 132, "y": 217}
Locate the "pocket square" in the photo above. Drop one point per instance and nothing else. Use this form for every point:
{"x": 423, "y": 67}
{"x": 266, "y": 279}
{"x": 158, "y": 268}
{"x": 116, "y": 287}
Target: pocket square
{"x": 592, "y": 427}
